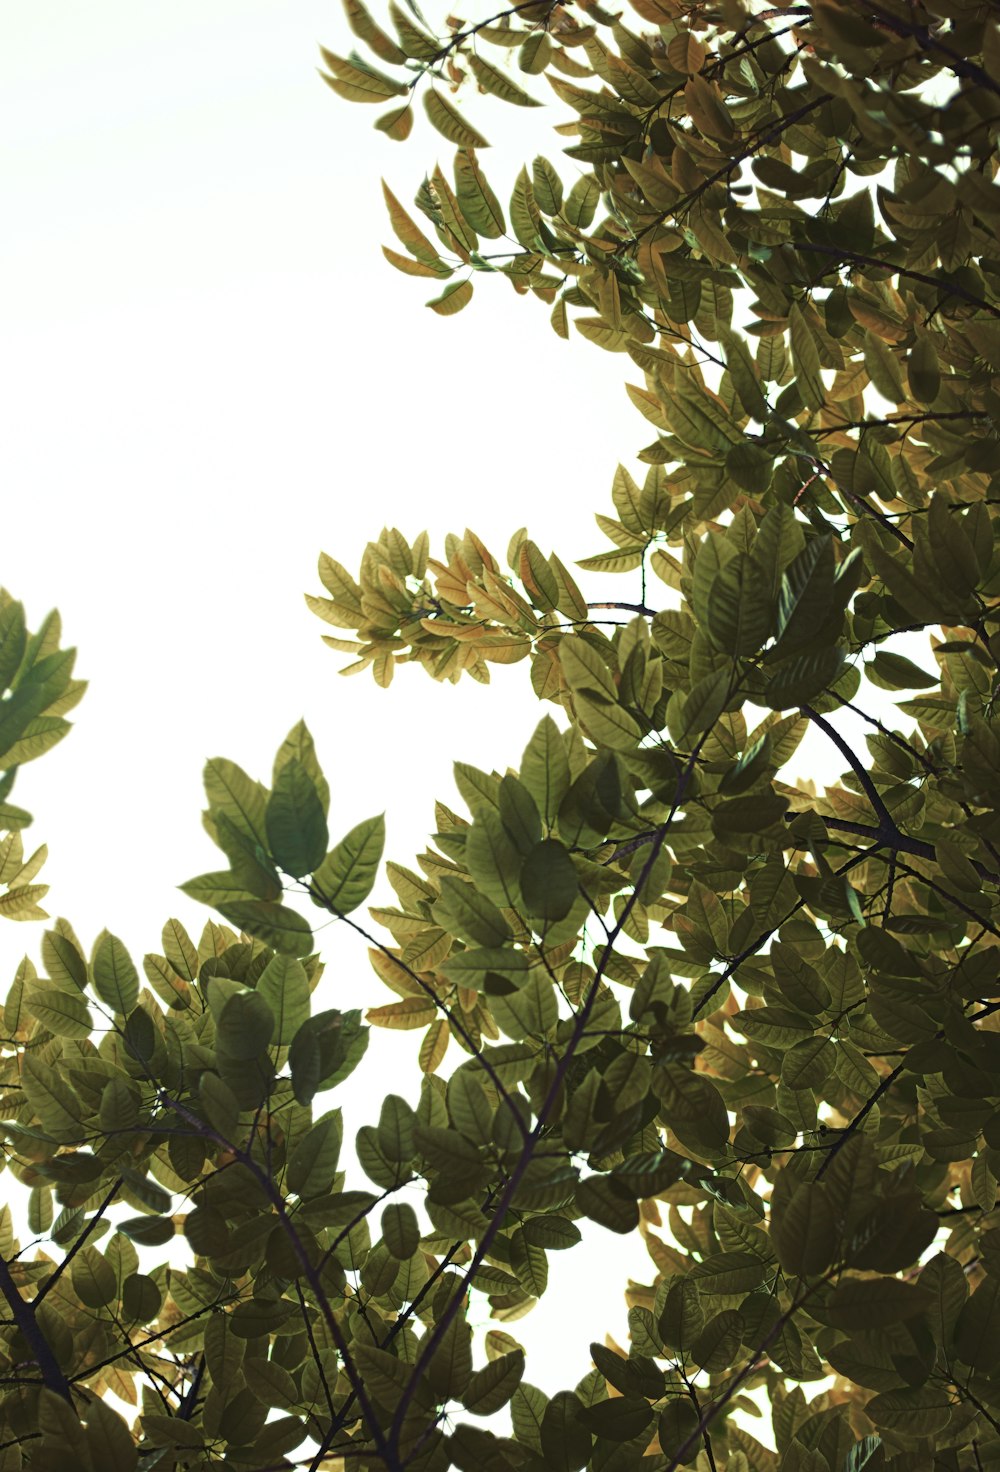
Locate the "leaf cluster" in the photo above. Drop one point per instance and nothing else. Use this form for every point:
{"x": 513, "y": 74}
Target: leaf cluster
{"x": 661, "y": 984}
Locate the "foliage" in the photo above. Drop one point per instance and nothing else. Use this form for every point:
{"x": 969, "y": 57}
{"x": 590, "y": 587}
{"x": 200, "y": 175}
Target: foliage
{"x": 677, "y": 992}
{"x": 36, "y": 690}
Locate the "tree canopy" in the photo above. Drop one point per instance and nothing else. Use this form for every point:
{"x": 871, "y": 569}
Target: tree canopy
{"x": 661, "y": 984}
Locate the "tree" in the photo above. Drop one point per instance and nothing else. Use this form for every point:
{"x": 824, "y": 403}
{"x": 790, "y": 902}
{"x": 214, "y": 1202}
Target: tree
{"x": 688, "y": 996}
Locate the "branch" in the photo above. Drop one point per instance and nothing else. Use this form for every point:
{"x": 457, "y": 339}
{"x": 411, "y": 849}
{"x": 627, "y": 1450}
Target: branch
{"x": 902, "y": 843}
{"x": 733, "y": 965}
{"x": 454, "y": 1021}
{"x": 185, "y": 1409}
{"x": 952, "y": 899}
{"x": 308, "y": 1270}
{"x": 956, "y": 62}
{"x": 434, "y": 1339}
{"x": 764, "y": 136}
{"x": 627, "y": 608}
{"x": 152, "y": 1338}
{"x": 460, "y": 36}
{"x": 340, "y": 1419}
{"x": 678, "y": 1458}
{"x": 24, "y": 1318}
{"x": 856, "y": 258}
{"x": 51, "y": 1281}
{"x": 890, "y": 419}
{"x": 314, "y": 1351}
{"x": 887, "y": 824}
{"x": 860, "y": 1117}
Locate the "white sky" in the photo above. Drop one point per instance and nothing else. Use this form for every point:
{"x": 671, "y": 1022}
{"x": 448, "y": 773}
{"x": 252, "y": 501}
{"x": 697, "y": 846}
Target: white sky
{"x": 208, "y": 374}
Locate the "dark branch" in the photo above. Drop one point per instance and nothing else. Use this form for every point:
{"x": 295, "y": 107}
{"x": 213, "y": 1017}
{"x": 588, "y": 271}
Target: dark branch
{"x": 24, "y": 1317}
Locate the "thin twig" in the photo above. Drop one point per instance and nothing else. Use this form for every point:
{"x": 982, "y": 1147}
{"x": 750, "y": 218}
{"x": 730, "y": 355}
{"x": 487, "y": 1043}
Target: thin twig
{"x": 51, "y": 1281}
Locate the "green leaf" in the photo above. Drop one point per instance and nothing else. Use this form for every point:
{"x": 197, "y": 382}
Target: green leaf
{"x": 748, "y": 815}
{"x": 676, "y": 1427}
{"x": 805, "y": 358}
{"x": 284, "y": 987}
{"x": 63, "y": 959}
{"x": 64, "y": 1014}
{"x": 490, "y": 1388}
{"x": 501, "y": 966}
{"x": 412, "y": 268}
{"x": 276, "y": 925}
{"x": 802, "y": 1227}
{"x": 608, "y": 1202}
{"x": 13, "y": 639}
{"x": 450, "y": 123}
{"x": 581, "y": 202}
{"x": 295, "y": 822}
{"x": 148, "y": 1231}
{"x": 738, "y": 614}
{"x": 859, "y": 1303}
{"x": 548, "y": 880}
{"x": 923, "y": 369}
{"x": 325, "y": 1050}
{"x": 492, "y": 859}
{"x": 744, "y": 373}
{"x": 647, "y": 1175}
{"x": 916, "y": 1411}
{"x": 452, "y": 299}
{"x": 476, "y": 199}
{"x": 729, "y": 1272}
{"x": 807, "y": 1064}
{"x": 799, "y": 680}
{"x": 218, "y": 888}
{"x": 139, "y": 1036}
{"x": 230, "y": 791}
{"x": 119, "y": 1105}
{"x": 529, "y": 1011}
{"x": 545, "y": 769}
{"x": 94, "y": 1279}
{"x": 251, "y": 865}
{"x": 470, "y": 915}
{"x": 494, "y": 81}
{"x": 397, "y": 123}
{"x": 518, "y": 814}
{"x": 400, "y": 1230}
{"x": 244, "y": 1027}
{"x": 752, "y": 468}
{"x": 362, "y": 24}
{"x": 358, "y": 82}
{"x": 113, "y": 974}
{"x": 619, "y": 1419}
{"x": 53, "y": 1100}
{"x": 977, "y": 1330}
{"x": 689, "y": 716}
{"x": 565, "y": 1440}
{"x": 895, "y": 672}
{"x": 313, "y": 1162}
{"x": 546, "y": 184}
{"x": 806, "y": 596}
{"x": 345, "y": 878}
{"x": 416, "y": 242}
{"x": 718, "y": 1344}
